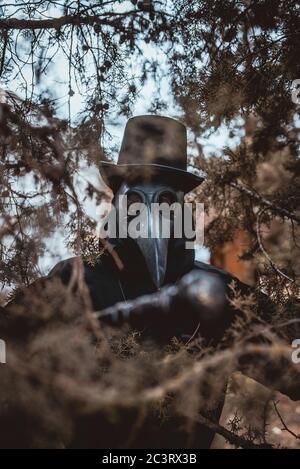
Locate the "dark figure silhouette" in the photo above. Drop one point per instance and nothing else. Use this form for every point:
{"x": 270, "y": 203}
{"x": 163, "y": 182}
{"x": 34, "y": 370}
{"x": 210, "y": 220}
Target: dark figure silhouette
{"x": 188, "y": 295}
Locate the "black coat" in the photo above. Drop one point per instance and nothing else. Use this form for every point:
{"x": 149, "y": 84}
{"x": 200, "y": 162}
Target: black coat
{"x": 108, "y": 285}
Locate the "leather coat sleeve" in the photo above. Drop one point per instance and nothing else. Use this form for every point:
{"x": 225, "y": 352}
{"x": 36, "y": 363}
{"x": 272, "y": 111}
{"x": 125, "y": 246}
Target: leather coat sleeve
{"x": 265, "y": 356}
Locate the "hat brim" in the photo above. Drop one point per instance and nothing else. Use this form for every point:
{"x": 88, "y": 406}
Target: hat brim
{"x": 180, "y": 179}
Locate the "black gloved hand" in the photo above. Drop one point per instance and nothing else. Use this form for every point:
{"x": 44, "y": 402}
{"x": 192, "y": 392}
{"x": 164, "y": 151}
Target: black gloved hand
{"x": 199, "y": 300}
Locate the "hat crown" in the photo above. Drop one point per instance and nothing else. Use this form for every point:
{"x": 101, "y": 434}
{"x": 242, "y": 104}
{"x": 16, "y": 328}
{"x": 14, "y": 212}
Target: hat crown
{"x": 154, "y": 140}
{"x": 153, "y": 148}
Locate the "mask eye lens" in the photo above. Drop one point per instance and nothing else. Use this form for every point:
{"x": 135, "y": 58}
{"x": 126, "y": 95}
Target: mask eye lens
{"x": 132, "y": 198}
{"x": 167, "y": 198}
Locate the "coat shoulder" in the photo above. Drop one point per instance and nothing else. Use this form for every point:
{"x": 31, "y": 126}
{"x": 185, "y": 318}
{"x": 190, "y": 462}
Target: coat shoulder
{"x": 64, "y": 268}
{"x": 226, "y": 276}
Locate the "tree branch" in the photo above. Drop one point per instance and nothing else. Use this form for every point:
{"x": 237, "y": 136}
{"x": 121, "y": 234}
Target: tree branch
{"x": 231, "y": 437}
{"x": 56, "y": 23}
{"x": 285, "y": 427}
{"x": 263, "y": 250}
{"x": 265, "y": 202}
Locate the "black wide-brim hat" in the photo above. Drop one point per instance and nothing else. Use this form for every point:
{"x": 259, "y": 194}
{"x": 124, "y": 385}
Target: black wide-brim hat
{"x": 153, "y": 148}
